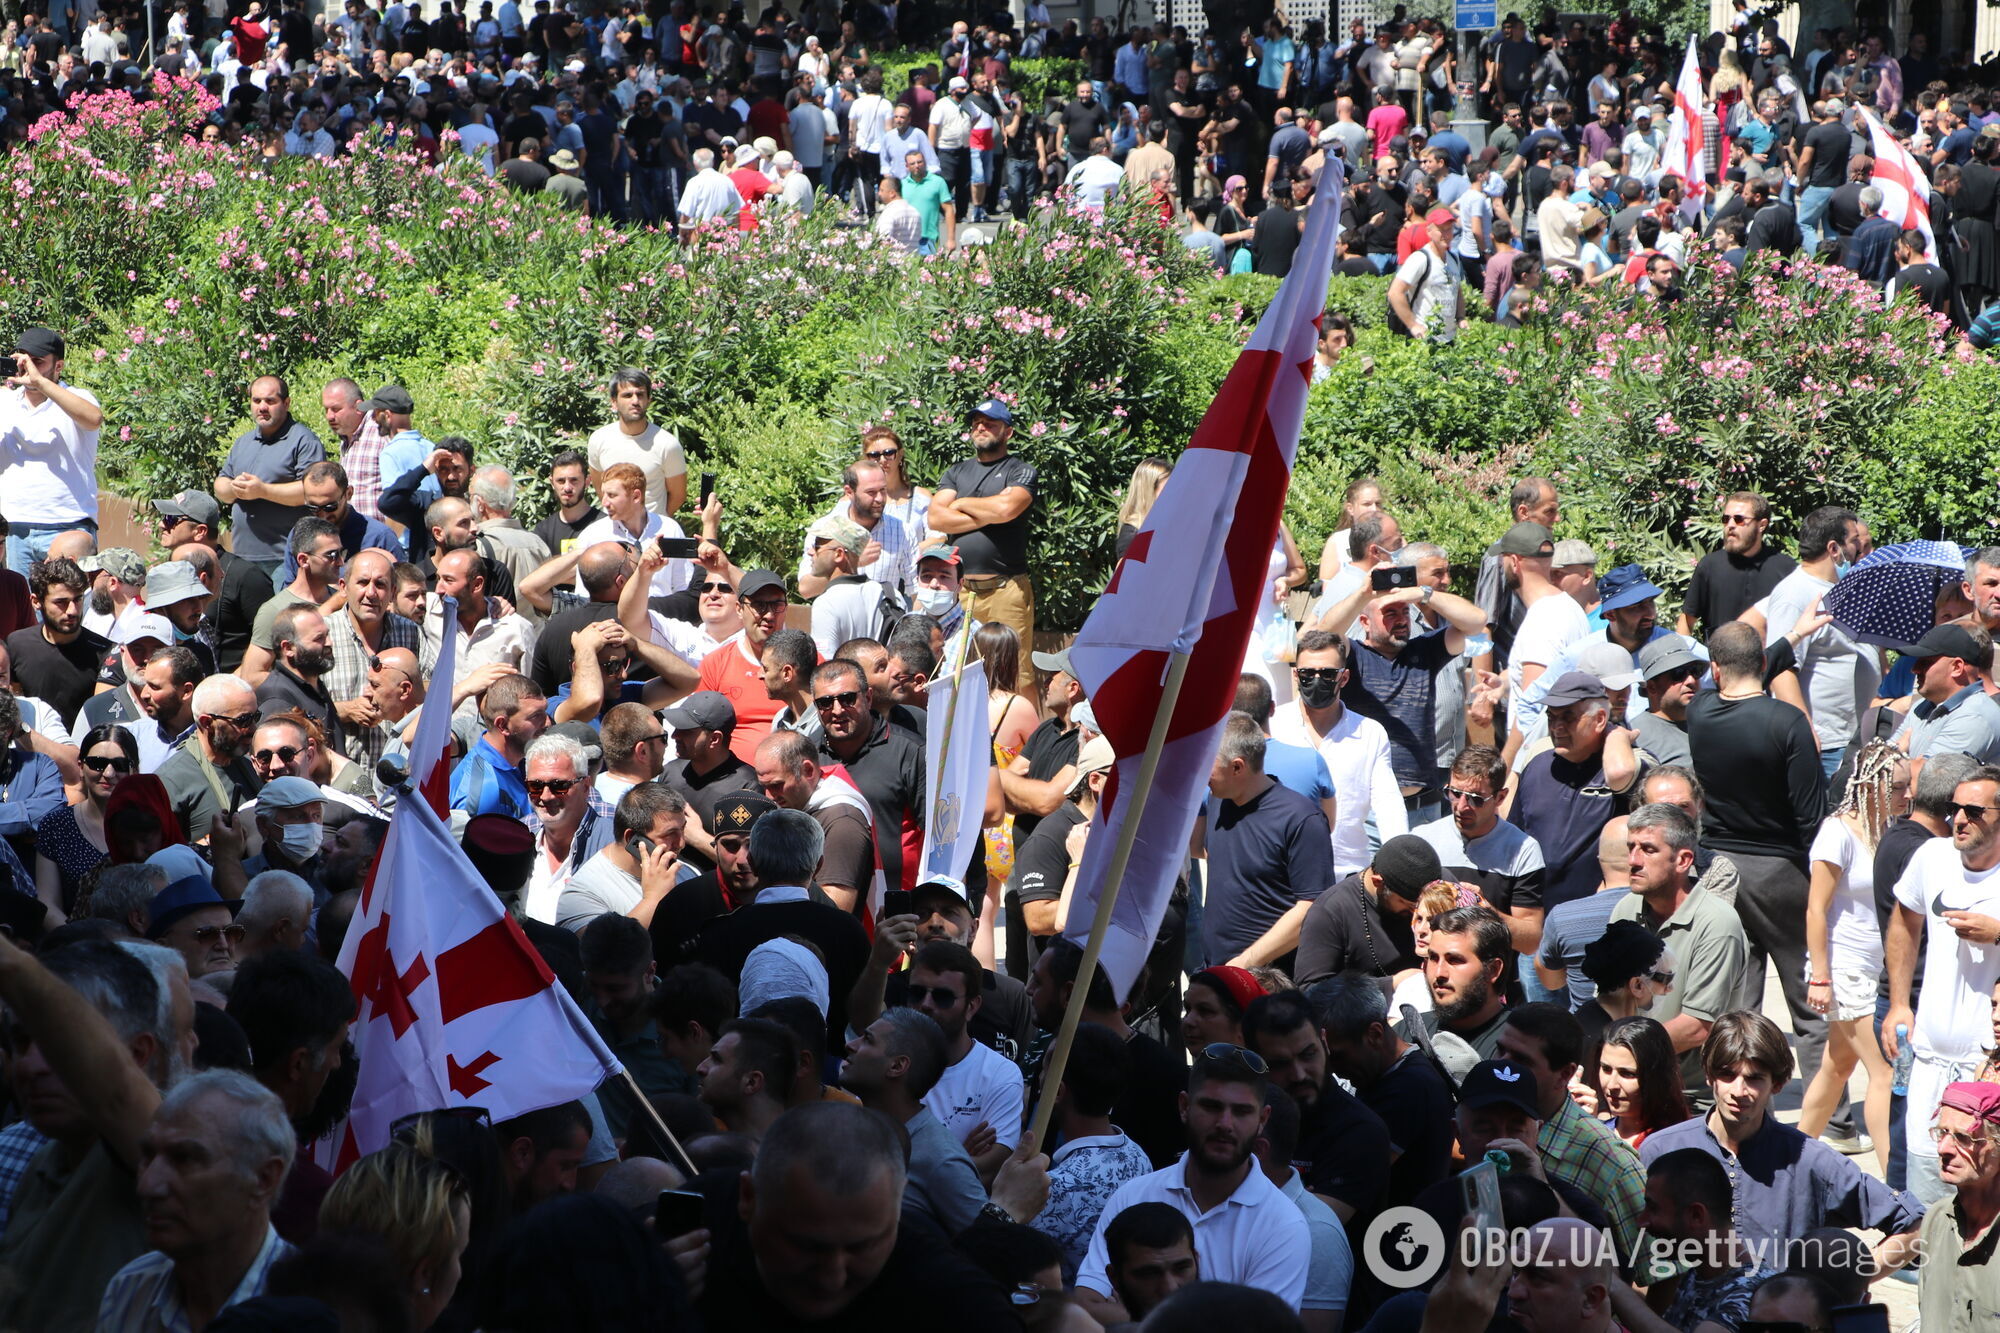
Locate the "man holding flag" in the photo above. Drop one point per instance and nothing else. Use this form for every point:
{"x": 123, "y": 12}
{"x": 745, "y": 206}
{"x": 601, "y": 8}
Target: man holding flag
{"x": 456, "y": 1007}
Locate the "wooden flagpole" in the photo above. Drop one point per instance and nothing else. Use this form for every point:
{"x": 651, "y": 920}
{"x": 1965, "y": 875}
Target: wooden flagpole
{"x": 1107, "y": 897}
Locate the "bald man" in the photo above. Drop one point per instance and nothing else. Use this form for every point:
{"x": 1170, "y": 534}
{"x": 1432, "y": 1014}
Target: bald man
{"x": 214, "y": 759}
{"x": 362, "y": 629}
{"x": 1574, "y": 926}
{"x": 1567, "y": 1287}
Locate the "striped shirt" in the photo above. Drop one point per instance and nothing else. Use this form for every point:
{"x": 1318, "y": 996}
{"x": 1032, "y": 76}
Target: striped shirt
{"x": 144, "y": 1298}
{"x": 894, "y": 568}
{"x": 349, "y": 677}
{"x": 362, "y": 460}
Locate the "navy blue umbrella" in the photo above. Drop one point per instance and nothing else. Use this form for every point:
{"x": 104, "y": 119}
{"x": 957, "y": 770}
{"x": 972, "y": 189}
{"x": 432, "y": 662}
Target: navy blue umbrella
{"x": 1890, "y": 597}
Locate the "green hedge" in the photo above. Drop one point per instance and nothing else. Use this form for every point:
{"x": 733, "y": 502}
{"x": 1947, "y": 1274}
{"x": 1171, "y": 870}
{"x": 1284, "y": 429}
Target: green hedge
{"x": 180, "y": 271}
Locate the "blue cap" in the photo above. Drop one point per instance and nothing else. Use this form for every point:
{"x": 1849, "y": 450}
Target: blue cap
{"x": 1627, "y": 585}
{"x": 180, "y": 898}
{"x": 995, "y": 409}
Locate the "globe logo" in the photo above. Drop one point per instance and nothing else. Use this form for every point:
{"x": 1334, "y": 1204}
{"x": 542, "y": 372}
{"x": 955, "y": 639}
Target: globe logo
{"x": 1403, "y": 1247}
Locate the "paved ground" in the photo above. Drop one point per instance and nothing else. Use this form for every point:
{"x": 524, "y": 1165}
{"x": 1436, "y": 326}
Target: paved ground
{"x": 1900, "y": 1297}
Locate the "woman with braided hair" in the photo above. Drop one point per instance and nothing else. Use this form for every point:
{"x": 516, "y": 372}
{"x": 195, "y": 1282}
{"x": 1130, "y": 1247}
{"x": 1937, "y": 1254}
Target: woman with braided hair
{"x": 1844, "y": 943}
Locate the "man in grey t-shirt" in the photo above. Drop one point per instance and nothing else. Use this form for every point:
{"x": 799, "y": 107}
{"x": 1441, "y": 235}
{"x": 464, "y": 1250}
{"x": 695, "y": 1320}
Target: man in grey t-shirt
{"x": 263, "y": 475}
{"x": 891, "y": 1066}
{"x": 1839, "y": 674}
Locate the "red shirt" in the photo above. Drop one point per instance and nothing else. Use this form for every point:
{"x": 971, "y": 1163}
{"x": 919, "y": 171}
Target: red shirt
{"x": 251, "y": 39}
{"x": 730, "y": 671}
{"x": 751, "y": 184}
{"x": 768, "y": 119}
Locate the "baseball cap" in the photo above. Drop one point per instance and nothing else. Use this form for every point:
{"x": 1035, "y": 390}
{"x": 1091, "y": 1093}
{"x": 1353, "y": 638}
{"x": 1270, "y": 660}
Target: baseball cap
{"x": 1665, "y": 654}
{"x": 136, "y": 629}
{"x": 1055, "y": 662}
{"x": 1501, "y": 1083}
{"x": 1611, "y": 665}
{"x": 947, "y": 553}
{"x": 1094, "y": 757}
{"x": 704, "y": 710}
{"x": 1441, "y": 217}
{"x": 1571, "y": 551}
{"x": 841, "y": 530}
{"x": 174, "y": 581}
{"x": 584, "y": 735}
{"x": 994, "y": 410}
{"x": 943, "y": 884}
{"x": 1642, "y": 113}
{"x": 1574, "y": 687}
{"x": 390, "y": 398}
{"x": 288, "y": 793}
{"x": 957, "y": 84}
{"x": 1527, "y": 539}
{"x": 1406, "y": 864}
{"x": 737, "y": 811}
{"x": 1990, "y": 132}
{"x": 1946, "y": 641}
{"x": 38, "y": 341}
{"x": 1627, "y": 585}
{"x": 121, "y": 562}
{"x": 756, "y": 581}
{"x": 198, "y": 506}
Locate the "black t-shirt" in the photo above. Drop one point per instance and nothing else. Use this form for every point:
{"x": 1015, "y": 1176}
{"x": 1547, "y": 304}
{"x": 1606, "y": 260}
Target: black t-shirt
{"x": 996, "y": 548}
{"x": 1757, "y": 758}
{"x": 1929, "y": 282}
{"x": 702, "y": 790}
{"x": 525, "y": 176}
{"x": 559, "y": 534}
{"x": 642, "y": 135}
{"x": 47, "y": 46}
{"x": 1380, "y": 211}
{"x": 1081, "y": 122}
{"x": 1050, "y": 748}
{"x": 1829, "y": 142}
{"x": 554, "y": 659}
{"x": 1149, "y": 1108}
{"x": 1843, "y": 209}
{"x": 1346, "y": 928}
{"x": 889, "y": 771}
{"x": 62, "y": 677}
{"x": 1237, "y": 143}
{"x": 1343, "y": 1150}
{"x": 682, "y": 915}
{"x": 1041, "y": 866}
{"x": 1273, "y": 241}
{"x": 1264, "y": 855}
{"x": 1893, "y": 850}
{"x": 1726, "y": 585}
{"x": 1414, "y": 1101}
{"x": 527, "y": 125}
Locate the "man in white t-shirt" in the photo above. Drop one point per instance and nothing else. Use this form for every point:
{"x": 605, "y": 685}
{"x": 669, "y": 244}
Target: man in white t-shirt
{"x": 478, "y": 140}
{"x": 849, "y": 605}
{"x": 48, "y": 450}
{"x": 1954, "y": 889}
{"x": 1839, "y": 674}
{"x": 1552, "y": 622}
{"x": 979, "y": 1096}
{"x": 627, "y": 522}
{"x": 1424, "y": 295}
{"x": 633, "y": 438}
{"x": 1356, "y": 750}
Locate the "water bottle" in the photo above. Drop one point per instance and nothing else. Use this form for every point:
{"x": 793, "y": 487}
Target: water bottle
{"x": 1906, "y": 1057}
{"x": 1502, "y": 1163}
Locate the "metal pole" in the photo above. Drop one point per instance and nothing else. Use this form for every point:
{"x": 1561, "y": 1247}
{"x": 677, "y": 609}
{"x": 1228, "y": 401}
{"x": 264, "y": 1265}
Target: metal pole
{"x": 1107, "y": 897}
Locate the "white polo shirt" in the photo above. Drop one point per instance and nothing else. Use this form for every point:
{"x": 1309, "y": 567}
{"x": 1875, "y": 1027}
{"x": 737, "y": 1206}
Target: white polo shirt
{"x": 673, "y": 575}
{"x": 1357, "y": 759}
{"x": 1256, "y": 1236}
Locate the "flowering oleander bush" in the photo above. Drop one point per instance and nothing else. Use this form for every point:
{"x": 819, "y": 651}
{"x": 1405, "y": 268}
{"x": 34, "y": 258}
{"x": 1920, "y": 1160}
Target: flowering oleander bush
{"x": 180, "y": 270}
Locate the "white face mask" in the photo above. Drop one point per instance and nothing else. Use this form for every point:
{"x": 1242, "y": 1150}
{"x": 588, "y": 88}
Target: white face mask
{"x": 302, "y": 841}
{"x": 935, "y": 601}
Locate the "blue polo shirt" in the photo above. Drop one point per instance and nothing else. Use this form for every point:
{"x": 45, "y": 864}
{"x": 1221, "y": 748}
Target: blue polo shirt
{"x": 484, "y": 783}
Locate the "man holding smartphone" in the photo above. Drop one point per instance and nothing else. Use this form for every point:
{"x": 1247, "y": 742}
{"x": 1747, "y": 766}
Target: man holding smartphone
{"x": 48, "y": 446}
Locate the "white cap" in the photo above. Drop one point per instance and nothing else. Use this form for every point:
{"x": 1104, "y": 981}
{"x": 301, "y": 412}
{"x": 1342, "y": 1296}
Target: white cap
{"x": 145, "y": 626}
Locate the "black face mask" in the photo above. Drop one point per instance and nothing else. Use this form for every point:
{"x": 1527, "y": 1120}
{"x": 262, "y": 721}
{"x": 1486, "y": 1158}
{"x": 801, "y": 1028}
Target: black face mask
{"x": 1319, "y": 693}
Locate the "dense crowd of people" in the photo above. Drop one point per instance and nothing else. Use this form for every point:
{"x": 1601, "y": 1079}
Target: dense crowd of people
{"x": 1477, "y": 928}
{"x": 1493, "y": 884}
{"x": 1551, "y": 153}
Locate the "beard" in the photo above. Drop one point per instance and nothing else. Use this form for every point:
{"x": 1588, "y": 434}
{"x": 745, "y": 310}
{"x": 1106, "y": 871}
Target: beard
{"x": 313, "y": 661}
{"x": 100, "y": 601}
{"x": 1469, "y": 999}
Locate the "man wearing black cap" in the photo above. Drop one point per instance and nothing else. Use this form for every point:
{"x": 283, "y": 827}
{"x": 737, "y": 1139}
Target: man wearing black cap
{"x": 700, "y": 727}
{"x": 736, "y": 668}
{"x": 1956, "y": 715}
{"x": 1363, "y": 922}
{"x": 263, "y": 475}
{"x": 982, "y": 504}
{"x": 48, "y": 446}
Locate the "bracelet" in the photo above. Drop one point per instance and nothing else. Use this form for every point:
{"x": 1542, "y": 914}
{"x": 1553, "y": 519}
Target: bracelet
{"x": 1819, "y": 983}
{"x": 996, "y": 1212}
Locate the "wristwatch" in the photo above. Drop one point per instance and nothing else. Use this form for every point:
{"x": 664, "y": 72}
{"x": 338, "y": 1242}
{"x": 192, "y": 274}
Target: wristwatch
{"x": 1425, "y": 600}
{"x": 996, "y": 1213}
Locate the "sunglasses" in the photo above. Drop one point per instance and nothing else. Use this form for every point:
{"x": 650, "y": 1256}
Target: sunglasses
{"x": 826, "y": 703}
{"x": 553, "y": 786}
{"x": 325, "y": 507}
{"x": 241, "y": 720}
{"x": 1242, "y": 1055}
{"x": 1975, "y": 813}
{"x": 1660, "y": 978}
{"x": 284, "y": 754}
{"x": 879, "y": 455}
{"x": 97, "y": 763}
{"x": 1307, "y": 675}
{"x": 766, "y": 608}
{"x": 1471, "y": 798}
{"x": 210, "y": 934}
{"x": 720, "y": 588}
{"x": 944, "y": 997}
